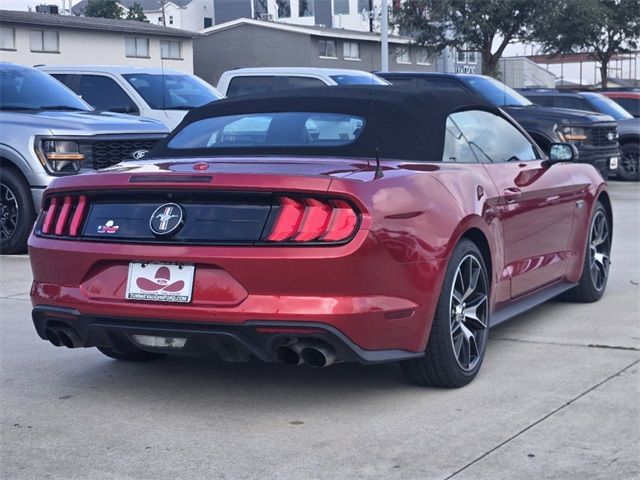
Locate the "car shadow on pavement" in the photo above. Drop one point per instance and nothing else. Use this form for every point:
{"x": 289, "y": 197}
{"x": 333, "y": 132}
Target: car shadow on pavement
{"x": 199, "y": 381}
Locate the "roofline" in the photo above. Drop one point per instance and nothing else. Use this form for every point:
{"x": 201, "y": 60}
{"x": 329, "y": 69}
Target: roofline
{"x": 111, "y": 26}
{"x": 334, "y": 33}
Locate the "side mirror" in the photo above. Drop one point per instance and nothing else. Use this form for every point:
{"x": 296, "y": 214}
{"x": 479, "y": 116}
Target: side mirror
{"x": 562, "y": 152}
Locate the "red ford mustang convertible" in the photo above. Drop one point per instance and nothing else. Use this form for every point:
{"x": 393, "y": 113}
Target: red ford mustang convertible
{"x": 317, "y": 226}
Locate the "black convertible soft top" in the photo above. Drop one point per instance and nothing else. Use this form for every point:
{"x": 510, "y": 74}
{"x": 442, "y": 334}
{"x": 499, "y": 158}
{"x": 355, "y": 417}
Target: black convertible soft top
{"x": 400, "y": 124}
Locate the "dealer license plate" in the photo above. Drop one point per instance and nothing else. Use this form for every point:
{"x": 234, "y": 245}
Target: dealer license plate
{"x": 160, "y": 282}
{"x": 613, "y": 163}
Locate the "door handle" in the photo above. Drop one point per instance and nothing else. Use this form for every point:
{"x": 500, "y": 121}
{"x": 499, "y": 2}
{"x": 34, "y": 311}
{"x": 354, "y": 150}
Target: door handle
{"x": 511, "y": 194}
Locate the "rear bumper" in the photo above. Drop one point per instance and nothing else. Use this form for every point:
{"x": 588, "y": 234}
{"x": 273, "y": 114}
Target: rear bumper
{"x": 258, "y": 339}
{"x": 357, "y": 290}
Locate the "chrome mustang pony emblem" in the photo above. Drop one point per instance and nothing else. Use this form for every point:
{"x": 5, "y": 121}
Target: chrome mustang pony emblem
{"x": 166, "y": 220}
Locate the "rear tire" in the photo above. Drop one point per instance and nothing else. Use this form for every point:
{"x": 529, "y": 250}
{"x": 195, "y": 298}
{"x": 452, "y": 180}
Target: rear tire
{"x": 131, "y": 356}
{"x": 459, "y": 333}
{"x": 16, "y": 212}
{"x": 595, "y": 270}
{"x": 629, "y": 168}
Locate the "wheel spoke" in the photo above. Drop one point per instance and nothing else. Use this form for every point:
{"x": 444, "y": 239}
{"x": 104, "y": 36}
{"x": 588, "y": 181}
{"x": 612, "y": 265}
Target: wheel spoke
{"x": 457, "y": 345}
{"x": 472, "y": 316}
{"x": 473, "y": 283}
{"x": 457, "y": 296}
{"x": 601, "y": 260}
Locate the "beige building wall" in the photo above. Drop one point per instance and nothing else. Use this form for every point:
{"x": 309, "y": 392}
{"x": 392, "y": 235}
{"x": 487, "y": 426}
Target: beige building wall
{"x": 93, "y": 48}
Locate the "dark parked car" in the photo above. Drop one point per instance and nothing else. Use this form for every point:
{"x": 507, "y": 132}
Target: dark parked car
{"x": 594, "y": 135}
{"x": 316, "y": 226}
{"x": 628, "y": 127}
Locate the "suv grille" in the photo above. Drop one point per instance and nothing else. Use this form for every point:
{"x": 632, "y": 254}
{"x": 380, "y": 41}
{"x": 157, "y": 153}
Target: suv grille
{"x": 599, "y": 136}
{"x": 106, "y": 153}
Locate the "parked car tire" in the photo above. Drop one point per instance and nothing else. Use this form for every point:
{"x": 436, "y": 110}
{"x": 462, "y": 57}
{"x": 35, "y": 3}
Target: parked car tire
{"x": 459, "y": 333}
{"x": 629, "y": 168}
{"x": 16, "y": 212}
{"x": 595, "y": 271}
{"x": 132, "y": 355}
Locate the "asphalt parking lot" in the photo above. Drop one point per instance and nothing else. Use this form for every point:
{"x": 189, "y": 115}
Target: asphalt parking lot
{"x": 557, "y": 398}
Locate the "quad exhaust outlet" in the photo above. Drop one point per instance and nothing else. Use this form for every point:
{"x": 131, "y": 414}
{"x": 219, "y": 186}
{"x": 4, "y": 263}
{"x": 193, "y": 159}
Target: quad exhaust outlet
{"x": 314, "y": 354}
{"x": 63, "y": 337}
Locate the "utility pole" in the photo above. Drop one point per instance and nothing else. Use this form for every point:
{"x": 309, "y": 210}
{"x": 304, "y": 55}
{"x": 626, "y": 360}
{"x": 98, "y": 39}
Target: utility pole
{"x": 384, "y": 30}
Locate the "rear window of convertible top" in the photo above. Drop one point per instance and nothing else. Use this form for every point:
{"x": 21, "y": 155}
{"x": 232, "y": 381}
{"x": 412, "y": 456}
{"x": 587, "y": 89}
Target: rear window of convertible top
{"x": 280, "y": 129}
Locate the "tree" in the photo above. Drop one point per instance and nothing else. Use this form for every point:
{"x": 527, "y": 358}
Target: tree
{"x": 103, "y": 9}
{"x": 136, "y": 13}
{"x": 469, "y": 24}
{"x": 600, "y": 28}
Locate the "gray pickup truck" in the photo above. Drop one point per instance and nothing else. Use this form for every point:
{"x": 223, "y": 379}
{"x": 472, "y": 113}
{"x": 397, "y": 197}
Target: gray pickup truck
{"x": 46, "y": 131}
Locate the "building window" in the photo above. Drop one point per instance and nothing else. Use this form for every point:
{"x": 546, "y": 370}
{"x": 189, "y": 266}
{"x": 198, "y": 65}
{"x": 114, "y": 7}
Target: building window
{"x": 45, "y": 41}
{"x": 305, "y": 8}
{"x": 208, "y": 22}
{"x": 423, "y": 57}
{"x": 328, "y": 48}
{"x": 351, "y": 50}
{"x": 136, "y": 47}
{"x": 170, "y": 19}
{"x": 284, "y": 8}
{"x": 7, "y": 38}
{"x": 472, "y": 57}
{"x": 260, "y": 8}
{"x": 402, "y": 55}
{"x": 461, "y": 56}
{"x": 341, "y": 7}
{"x": 171, "y": 49}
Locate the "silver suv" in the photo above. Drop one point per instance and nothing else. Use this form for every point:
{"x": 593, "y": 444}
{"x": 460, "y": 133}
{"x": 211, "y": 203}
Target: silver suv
{"x": 46, "y": 131}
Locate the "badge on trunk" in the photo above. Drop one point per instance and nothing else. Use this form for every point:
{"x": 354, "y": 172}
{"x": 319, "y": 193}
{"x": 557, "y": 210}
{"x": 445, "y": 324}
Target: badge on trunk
{"x": 166, "y": 220}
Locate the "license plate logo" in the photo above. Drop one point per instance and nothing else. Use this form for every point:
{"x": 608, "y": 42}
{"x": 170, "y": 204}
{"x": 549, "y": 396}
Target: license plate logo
{"x": 160, "y": 282}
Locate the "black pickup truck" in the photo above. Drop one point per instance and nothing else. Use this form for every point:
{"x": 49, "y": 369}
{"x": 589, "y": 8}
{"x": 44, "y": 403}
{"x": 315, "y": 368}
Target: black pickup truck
{"x": 594, "y": 135}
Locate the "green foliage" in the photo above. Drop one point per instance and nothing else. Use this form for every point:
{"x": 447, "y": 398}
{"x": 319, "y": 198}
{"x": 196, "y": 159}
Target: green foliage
{"x": 601, "y": 28}
{"x": 474, "y": 24}
{"x": 103, "y": 9}
{"x": 136, "y": 13}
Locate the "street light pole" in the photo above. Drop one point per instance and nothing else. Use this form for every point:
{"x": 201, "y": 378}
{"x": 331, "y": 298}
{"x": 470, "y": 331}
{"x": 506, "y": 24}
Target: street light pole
{"x": 384, "y": 50}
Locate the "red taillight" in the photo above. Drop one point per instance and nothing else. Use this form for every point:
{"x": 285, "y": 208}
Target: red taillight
{"x": 289, "y": 219}
{"x": 315, "y": 220}
{"x": 52, "y": 213}
{"x": 343, "y": 222}
{"x": 312, "y": 219}
{"x": 64, "y": 215}
{"x": 63, "y": 218}
{"x": 78, "y": 216}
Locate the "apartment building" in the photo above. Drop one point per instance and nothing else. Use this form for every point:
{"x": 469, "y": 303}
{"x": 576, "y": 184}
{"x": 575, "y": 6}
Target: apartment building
{"x": 31, "y": 38}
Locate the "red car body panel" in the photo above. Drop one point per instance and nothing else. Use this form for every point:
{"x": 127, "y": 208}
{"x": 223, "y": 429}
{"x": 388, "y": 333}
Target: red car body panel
{"x": 381, "y": 288}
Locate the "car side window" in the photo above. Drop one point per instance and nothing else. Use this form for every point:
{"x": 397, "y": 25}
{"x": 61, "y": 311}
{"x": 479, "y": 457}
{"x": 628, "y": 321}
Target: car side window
{"x": 302, "y": 82}
{"x": 631, "y": 105}
{"x": 103, "y": 93}
{"x": 492, "y": 138}
{"x": 573, "y": 103}
{"x": 251, "y": 85}
{"x": 67, "y": 79}
{"x": 542, "y": 101}
{"x": 456, "y": 148}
